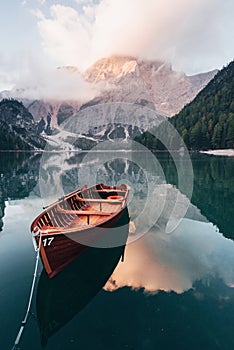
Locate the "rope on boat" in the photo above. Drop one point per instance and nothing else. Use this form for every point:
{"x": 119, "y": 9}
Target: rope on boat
{"x": 24, "y": 321}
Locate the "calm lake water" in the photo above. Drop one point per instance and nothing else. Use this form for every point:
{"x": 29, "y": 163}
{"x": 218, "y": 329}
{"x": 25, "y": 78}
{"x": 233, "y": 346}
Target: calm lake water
{"x": 173, "y": 291}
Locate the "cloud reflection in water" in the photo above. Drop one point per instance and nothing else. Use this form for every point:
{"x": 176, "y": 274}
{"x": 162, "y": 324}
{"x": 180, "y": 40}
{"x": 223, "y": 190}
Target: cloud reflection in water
{"x": 194, "y": 251}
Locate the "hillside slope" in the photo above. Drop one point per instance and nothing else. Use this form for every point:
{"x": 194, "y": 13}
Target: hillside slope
{"x": 17, "y": 127}
{"x": 208, "y": 121}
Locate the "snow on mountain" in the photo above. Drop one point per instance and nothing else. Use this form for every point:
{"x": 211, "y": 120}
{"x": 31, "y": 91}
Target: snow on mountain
{"x": 111, "y": 121}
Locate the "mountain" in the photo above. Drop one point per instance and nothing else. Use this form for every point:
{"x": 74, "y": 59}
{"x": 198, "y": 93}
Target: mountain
{"x": 119, "y": 122}
{"x": 58, "y": 110}
{"x": 152, "y": 83}
{"x": 39, "y": 108}
{"x": 19, "y": 176}
{"x": 208, "y": 121}
{"x": 18, "y": 129}
{"x": 205, "y": 123}
{"x": 124, "y": 79}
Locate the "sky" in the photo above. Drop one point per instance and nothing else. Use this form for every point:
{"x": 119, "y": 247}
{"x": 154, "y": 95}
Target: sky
{"x": 39, "y": 35}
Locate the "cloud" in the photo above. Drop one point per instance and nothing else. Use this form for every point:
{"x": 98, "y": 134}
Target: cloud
{"x": 195, "y": 251}
{"x": 32, "y": 78}
{"x": 61, "y": 86}
{"x": 193, "y": 34}
{"x": 65, "y": 36}
{"x": 25, "y": 2}
{"x": 81, "y": 2}
{"x": 9, "y": 70}
{"x": 55, "y": 84}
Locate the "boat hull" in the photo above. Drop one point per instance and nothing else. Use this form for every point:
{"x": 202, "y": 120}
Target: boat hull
{"x": 59, "y": 250}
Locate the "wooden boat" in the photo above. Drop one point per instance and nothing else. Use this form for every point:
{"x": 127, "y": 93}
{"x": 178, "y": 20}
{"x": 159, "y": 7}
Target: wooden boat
{"x": 60, "y": 299}
{"x": 83, "y": 218}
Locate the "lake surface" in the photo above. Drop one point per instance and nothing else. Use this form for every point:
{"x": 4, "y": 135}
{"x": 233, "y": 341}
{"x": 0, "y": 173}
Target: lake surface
{"x": 173, "y": 290}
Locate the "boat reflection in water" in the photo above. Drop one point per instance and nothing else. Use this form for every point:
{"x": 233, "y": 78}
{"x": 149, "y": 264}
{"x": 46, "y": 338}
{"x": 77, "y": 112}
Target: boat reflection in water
{"x": 61, "y": 298}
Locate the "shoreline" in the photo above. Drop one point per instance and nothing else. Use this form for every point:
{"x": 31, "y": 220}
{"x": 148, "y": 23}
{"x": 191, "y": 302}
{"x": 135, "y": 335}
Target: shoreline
{"x": 220, "y": 152}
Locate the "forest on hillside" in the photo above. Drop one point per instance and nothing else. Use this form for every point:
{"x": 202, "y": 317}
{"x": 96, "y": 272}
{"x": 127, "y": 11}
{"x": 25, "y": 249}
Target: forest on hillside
{"x": 18, "y": 130}
{"x": 205, "y": 123}
{"x": 208, "y": 121}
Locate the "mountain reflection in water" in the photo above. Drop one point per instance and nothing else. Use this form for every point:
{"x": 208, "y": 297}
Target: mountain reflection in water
{"x": 171, "y": 291}
{"x": 18, "y": 177}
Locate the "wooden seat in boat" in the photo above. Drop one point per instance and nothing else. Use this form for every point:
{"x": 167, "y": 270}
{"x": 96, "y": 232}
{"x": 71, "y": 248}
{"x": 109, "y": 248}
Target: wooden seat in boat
{"x": 82, "y": 212}
{"x": 97, "y": 200}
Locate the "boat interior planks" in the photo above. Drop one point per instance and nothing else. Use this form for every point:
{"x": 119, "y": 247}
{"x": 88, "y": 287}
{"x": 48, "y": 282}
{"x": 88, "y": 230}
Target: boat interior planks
{"x": 80, "y": 212}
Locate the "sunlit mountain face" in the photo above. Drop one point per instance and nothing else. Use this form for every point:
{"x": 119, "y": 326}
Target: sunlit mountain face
{"x": 113, "y": 79}
{"x": 134, "y": 80}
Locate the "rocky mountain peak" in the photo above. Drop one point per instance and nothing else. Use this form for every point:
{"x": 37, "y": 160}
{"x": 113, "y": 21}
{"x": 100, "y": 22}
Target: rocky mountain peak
{"x": 131, "y": 79}
{"x": 114, "y": 68}
{"x": 125, "y": 79}
{"x": 71, "y": 69}
{"x": 111, "y": 68}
